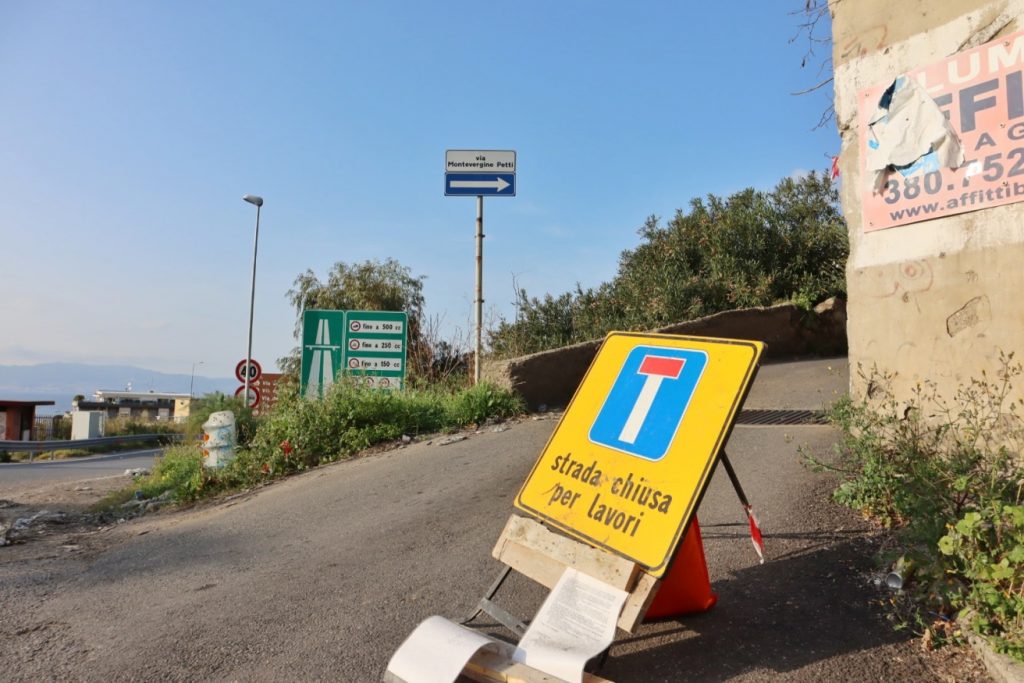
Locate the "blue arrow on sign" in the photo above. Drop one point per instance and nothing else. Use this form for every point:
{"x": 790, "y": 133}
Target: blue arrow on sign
{"x": 488, "y": 184}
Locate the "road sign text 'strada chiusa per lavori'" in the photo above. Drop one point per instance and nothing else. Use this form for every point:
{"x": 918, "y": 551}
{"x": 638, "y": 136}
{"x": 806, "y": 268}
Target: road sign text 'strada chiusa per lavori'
{"x": 637, "y": 491}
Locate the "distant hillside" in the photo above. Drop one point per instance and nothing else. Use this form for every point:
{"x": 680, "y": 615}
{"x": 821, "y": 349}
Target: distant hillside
{"x": 61, "y": 381}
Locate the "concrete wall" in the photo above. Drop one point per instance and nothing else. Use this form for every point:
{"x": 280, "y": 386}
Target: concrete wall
{"x": 936, "y": 299}
{"x": 550, "y": 377}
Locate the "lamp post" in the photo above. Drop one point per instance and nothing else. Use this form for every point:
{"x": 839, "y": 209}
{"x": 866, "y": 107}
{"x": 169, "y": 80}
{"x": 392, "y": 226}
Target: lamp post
{"x": 258, "y": 202}
{"x": 192, "y": 382}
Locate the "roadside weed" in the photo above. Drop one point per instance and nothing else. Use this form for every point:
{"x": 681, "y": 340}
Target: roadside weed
{"x": 301, "y": 433}
{"x": 179, "y": 470}
{"x": 947, "y": 475}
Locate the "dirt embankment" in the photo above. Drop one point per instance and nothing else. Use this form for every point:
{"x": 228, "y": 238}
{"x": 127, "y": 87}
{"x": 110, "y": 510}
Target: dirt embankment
{"x": 44, "y": 520}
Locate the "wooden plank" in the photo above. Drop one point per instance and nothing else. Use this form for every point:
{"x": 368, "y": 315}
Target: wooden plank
{"x": 539, "y": 553}
{"x": 495, "y": 667}
{"x": 542, "y": 568}
{"x": 638, "y": 601}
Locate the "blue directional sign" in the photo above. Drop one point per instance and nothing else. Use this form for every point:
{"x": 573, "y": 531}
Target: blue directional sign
{"x": 489, "y": 173}
{"x": 487, "y": 184}
{"x": 647, "y": 402}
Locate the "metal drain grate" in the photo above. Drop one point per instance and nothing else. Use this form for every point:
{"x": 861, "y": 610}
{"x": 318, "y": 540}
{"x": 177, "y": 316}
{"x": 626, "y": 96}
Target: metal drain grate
{"x": 781, "y": 417}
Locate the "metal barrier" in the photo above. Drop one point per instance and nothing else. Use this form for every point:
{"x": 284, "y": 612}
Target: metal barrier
{"x": 44, "y": 446}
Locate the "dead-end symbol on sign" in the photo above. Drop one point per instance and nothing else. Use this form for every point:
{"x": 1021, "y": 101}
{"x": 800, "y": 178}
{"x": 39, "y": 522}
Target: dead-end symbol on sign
{"x": 656, "y": 368}
{"x": 645, "y": 406}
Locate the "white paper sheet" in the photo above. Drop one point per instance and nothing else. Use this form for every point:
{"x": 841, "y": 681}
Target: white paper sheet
{"x": 911, "y": 127}
{"x": 436, "y": 652}
{"x": 575, "y": 623}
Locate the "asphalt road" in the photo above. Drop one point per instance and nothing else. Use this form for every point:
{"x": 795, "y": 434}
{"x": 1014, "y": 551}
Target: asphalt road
{"x": 320, "y": 577}
{"x": 17, "y": 474}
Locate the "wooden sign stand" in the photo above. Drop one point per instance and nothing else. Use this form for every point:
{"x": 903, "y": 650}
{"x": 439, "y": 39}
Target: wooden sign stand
{"x": 530, "y": 548}
{"x": 538, "y": 553}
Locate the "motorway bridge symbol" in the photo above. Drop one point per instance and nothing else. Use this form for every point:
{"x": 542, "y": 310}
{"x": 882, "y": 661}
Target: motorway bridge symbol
{"x": 321, "y": 350}
{"x": 646, "y": 404}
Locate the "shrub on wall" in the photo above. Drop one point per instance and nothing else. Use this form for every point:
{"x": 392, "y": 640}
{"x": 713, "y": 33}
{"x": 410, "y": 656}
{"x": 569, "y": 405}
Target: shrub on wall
{"x": 752, "y": 248}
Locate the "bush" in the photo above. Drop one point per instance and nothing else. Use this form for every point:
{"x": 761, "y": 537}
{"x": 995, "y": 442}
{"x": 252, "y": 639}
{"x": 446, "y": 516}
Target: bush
{"x": 480, "y": 403}
{"x": 61, "y": 428}
{"x": 179, "y": 470}
{"x": 119, "y": 426}
{"x": 302, "y": 433}
{"x": 986, "y": 547}
{"x": 351, "y": 418}
{"x": 948, "y": 476}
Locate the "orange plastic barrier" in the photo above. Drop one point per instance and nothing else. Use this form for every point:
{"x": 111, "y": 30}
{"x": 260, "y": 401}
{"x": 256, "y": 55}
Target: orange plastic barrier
{"x": 686, "y": 588}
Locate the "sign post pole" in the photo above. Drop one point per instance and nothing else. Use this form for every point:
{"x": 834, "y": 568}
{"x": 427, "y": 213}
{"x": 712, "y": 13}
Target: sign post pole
{"x": 258, "y": 202}
{"x": 479, "y": 287}
{"x": 479, "y": 173}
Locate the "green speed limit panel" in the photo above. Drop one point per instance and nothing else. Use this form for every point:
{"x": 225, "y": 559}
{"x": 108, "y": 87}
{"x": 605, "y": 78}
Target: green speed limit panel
{"x": 376, "y": 347}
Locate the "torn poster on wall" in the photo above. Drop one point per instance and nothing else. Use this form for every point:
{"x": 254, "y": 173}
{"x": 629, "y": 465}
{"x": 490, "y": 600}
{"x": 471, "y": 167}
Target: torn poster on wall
{"x": 909, "y": 134}
{"x": 944, "y": 139}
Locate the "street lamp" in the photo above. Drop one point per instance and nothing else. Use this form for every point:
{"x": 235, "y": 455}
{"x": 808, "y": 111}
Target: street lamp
{"x": 192, "y": 381}
{"x": 258, "y": 202}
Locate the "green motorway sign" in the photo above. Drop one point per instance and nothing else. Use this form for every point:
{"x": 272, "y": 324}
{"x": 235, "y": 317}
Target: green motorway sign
{"x": 369, "y": 345}
{"x": 323, "y": 338}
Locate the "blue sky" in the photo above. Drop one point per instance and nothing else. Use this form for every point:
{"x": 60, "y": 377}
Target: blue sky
{"x": 132, "y": 129}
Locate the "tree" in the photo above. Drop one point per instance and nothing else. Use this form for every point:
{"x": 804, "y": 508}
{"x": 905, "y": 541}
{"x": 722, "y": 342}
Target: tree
{"x": 753, "y": 248}
{"x": 815, "y": 28}
{"x": 368, "y": 286}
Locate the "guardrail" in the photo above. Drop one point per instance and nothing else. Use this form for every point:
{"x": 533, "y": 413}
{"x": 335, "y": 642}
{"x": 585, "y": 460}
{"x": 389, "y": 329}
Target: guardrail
{"x": 63, "y": 444}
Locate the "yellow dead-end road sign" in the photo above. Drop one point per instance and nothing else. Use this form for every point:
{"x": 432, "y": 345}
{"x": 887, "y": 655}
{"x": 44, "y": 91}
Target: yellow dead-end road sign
{"x": 631, "y": 457}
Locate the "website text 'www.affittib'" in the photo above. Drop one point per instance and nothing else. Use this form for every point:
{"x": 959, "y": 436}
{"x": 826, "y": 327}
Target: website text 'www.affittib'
{"x": 966, "y": 199}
